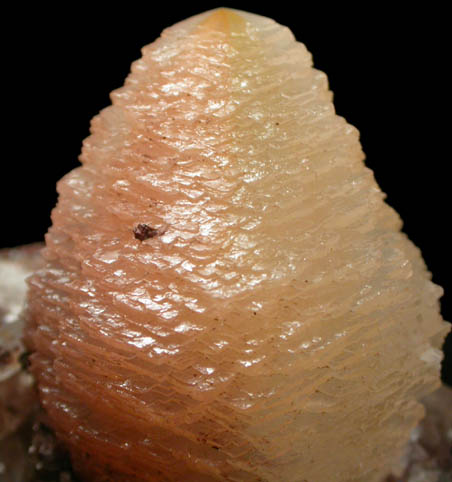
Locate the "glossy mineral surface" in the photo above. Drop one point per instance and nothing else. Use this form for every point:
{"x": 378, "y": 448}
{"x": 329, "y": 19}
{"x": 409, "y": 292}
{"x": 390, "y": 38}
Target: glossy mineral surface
{"x": 227, "y": 296}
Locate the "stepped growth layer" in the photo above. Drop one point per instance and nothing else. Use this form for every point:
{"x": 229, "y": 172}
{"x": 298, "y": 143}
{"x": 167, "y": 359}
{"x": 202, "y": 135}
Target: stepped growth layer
{"x": 226, "y": 295}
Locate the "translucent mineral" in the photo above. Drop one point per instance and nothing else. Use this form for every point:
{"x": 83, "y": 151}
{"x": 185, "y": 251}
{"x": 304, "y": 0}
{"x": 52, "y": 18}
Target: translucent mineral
{"x": 226, "y": 295}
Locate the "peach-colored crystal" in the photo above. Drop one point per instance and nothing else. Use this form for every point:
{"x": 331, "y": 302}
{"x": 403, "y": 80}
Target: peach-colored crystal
{"x": 227, "y": 296}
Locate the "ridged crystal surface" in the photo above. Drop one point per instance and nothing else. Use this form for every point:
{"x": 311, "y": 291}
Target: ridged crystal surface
{"x": 274, "y": 324}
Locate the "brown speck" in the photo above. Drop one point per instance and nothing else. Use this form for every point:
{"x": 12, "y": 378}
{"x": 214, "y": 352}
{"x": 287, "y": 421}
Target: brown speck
{"x": 5, "y": 356}
{"x": 24, "y": 360}
{"x": 65, "y": 477}
{"x": 12, "y": 409}
{"x": 143, "y": 232}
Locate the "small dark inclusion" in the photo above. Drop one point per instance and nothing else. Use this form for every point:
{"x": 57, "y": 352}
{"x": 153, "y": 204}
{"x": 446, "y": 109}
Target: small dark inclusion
{"x": 143, "y": 232}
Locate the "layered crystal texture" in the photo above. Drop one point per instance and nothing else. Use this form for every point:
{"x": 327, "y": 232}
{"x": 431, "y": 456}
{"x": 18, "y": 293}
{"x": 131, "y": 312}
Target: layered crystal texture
{"x": 226, "y": 295}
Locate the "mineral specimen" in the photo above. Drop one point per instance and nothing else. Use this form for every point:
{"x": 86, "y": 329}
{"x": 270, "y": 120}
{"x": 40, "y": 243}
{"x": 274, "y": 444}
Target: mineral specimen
{"x": 16, "y": 386}
{"x": 17, "y": 394}
{"x": 226, "y": 295}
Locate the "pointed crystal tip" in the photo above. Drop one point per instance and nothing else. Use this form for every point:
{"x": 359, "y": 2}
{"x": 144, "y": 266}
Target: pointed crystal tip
{"x": 224, "y": 20}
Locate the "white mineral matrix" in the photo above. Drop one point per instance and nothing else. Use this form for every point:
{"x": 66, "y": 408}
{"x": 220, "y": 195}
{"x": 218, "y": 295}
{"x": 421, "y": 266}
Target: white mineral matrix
{"x": 226, "y": 295}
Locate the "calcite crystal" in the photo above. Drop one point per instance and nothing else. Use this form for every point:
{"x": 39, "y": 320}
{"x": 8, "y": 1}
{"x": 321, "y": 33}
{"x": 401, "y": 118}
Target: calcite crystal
{"x": 226, "y": 295}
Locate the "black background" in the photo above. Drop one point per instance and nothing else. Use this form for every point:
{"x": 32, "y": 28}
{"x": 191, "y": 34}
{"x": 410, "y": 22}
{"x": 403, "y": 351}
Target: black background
{"x": 387, "y": 68}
